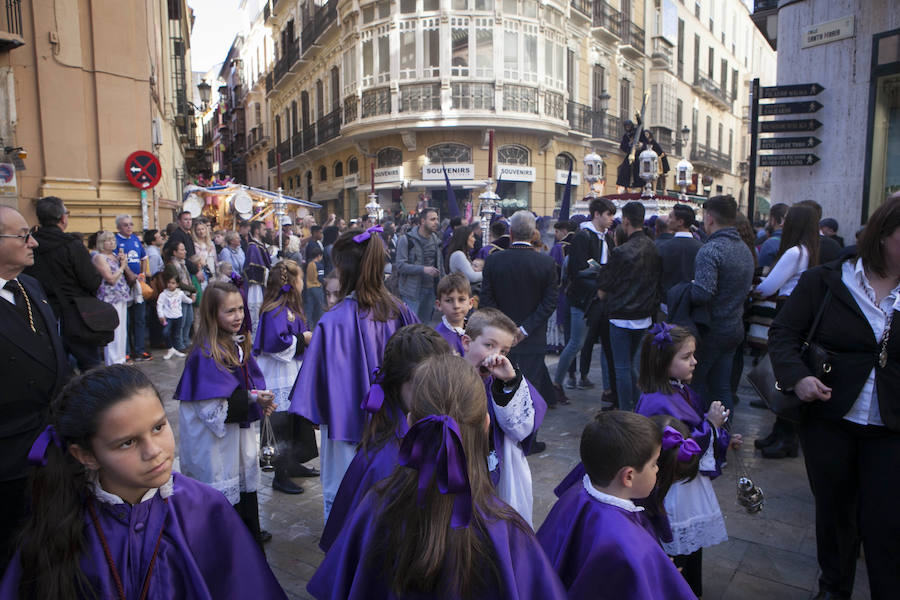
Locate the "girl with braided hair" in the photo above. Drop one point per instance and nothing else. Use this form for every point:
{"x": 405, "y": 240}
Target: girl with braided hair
{"x": 282, "y": 336}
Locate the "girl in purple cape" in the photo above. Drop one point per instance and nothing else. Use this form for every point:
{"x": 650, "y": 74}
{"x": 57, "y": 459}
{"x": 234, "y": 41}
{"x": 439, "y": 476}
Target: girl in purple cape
{"x": 667, "y": 366}
{"x": 377, "y": 455}
{"x": 281, "y": 339}
{"x": 222, "y": 396}
{"x": 109, "y": 517}
{"x": 436, "y": 528}
{"x": 347, "y": 345}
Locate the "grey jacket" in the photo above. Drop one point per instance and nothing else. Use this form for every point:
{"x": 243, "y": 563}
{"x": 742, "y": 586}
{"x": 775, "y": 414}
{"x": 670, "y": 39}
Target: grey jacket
{"x": 723, "y": 277}
{"x": 410, "y": 264}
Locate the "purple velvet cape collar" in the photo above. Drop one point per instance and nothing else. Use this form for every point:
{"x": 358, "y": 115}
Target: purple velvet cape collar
{"x": 276, "y": 330}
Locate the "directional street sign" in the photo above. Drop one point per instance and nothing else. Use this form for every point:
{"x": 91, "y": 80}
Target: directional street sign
{"x": 787, "y": 160}
{"x": 789, "y": 143}
{"x": 791, "y": 91}
{"x": 142, "y": 169}
{"x": 789, "y": 108}
{"x": 789, "y": 125}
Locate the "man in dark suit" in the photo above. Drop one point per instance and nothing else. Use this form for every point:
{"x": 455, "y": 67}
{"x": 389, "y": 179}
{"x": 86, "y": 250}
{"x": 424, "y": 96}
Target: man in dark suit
{"x": 33, "y": 369}
{"x": 521, "y": 282}
{"x": 679, "y": 252}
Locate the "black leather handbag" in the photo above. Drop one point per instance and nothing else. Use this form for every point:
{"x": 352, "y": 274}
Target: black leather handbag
{"x": 785, "y": 403}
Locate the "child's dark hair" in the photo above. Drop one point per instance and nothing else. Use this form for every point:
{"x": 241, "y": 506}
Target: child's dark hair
{"x": 53, "y": 540}
{"x": 314, "y": 252}
{"x": 361, "y": 268}
{"x": 614, "y": 440}
{"x": 417, "y": 545}
{"x": 404, "y": 351}
{"x": 454, "y": 282}
{"x": 657, "y": 354}
{"x": 671, "y": 469}
{"x": 483, "y": 318}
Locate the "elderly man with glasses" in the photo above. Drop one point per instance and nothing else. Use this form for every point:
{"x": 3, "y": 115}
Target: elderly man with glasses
{"x": 33, "y": 368}
{"x": 138, "y": 266}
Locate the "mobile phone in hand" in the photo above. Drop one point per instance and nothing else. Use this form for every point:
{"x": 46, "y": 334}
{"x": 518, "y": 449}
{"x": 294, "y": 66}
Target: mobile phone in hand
{"x": 593, "y": 263}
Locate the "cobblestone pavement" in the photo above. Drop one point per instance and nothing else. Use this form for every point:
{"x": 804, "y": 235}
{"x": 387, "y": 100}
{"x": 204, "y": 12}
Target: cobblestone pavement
{"x": 768, "y": 555}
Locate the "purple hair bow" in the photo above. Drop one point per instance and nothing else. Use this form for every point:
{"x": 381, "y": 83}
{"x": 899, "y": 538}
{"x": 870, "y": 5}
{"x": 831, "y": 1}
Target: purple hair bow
{"x": 687, "y": 447}
{"x": 236, "y": 280}
{"x": 361, "y": 237}
{"x": 661, "y": 336}
{"x": 433, "y": 446}
{"x": 374, "y": 399}
{"x": 285, "y": 289}
{"x": 38, "y": 453}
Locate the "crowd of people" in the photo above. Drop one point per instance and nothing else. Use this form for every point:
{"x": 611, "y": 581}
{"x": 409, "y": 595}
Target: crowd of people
{"x": 417, "y": 349}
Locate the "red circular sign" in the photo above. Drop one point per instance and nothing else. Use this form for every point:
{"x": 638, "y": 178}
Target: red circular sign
{"x": 142, "y": 169}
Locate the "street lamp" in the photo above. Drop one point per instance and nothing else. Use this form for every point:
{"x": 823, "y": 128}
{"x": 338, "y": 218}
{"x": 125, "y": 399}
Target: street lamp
{"x": 683, "y": 171}
{"x": 685, "y": 136}
{"x": 594, "y": 171}
{"x": 649, "y": 166}
{"x": 373, "y": 208}
{"x": 488, "y": 200}
{"x": 204, "y": 89}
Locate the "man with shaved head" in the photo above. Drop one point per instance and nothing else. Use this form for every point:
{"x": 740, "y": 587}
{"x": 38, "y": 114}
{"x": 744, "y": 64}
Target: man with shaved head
{"x": 33, "y": 368}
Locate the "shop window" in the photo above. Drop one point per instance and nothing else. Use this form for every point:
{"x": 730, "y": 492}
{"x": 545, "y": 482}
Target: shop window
{"x": 449, "y": 153}
{"x": 389, "y": 157}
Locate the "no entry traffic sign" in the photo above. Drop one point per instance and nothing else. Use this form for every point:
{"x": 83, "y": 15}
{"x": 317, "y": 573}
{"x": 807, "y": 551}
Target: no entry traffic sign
{"x": 142, "y": 169}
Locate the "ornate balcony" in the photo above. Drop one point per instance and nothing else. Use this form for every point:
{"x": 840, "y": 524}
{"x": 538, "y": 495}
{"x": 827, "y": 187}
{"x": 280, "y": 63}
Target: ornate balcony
{"x": 329, "y": 126}
{"x": 580, "y": 117}
{"x": 632, "y": 39}
{"x": 322, "y": 19}
{"x": 607, "y": 21}
{"x": 376, "y": 102}
{"x": 11, "y": 26}
{"x": 420, "y": 97}
{"x": 703, "y": 155}
{"x": 554, "y": 105}
{"x": 270, "y": 159}
{"x": 708, "y": 89}
{"x": 582, "y": 7}
{"x": 309, "y": 137}
{"x": 351, "y": 108}
{"x": 661, "y": 54}
{"x": 606, "y": 127}
{"x": 296, "y": 144}
{"x": 520, "y": 98}
{"x": 472, "y": 96}
{"x": 289, "y": 57}
{"x": 284, "y": 150}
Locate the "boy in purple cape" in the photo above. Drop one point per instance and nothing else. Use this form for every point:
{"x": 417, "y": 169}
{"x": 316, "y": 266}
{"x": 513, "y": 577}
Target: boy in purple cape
{"x": 109, "y": 517}
{"x": 515, "y": 407}
{"x": 346, "y": 347}
{"x": 499, "y": 239}
{"x": 386, "y": 403}
{"x": 454, "y": 301}
{"x": 436, "y": 528}
{"x": 594, "y": 536}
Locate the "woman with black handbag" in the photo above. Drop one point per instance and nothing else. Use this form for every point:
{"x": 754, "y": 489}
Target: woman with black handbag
{"x": 850, "y": 428}
{"x": 799, "y": 250}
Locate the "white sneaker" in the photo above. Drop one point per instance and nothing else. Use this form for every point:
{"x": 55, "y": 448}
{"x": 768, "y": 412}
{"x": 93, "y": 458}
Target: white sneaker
{"x": 169, "y": 353}
{"x": 180, "y": 354}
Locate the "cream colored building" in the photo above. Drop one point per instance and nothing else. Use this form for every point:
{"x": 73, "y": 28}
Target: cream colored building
{"x": 402, "y": 88}
{"x": 94, "y": 81}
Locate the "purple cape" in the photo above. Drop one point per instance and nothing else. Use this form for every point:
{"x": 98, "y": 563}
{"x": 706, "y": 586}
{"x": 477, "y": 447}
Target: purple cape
{"x": 204, "y": 379}
{"x": 255, "y": 264}
{"x": 276, "y": 331}
{"x": 501, "y": 243}
{"x": 345, "y": 348}
{"x": 602, "y": 551}
{"x": 687, "y": 407}
{"x": 453, "y": 338}
{"x": 497, "y": 434}
{"x": 366, "y": 469}
{"x": 206, "y": 551}
{"x": 346, "y": 574}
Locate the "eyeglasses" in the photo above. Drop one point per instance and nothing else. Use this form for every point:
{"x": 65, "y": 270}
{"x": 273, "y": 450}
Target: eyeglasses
{"x": 26, "y": 237}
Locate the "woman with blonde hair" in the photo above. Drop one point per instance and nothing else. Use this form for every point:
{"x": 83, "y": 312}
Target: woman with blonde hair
{"x": 113, "y": 290}
{"x": 204, "y": 251}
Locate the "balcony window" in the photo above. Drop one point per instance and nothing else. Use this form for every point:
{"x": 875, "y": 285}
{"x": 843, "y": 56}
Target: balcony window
{"x": 530, "y": 67}
{"x": 431, "y": 4}
{"x": 376, "y": 102}
{"x": 472, "y": 96}
{"x": 511, "y": 55}
{"x": 323, "y": 173}
{"x": 554, "y": 105}
{"x": 368, "y": 52}
{"x": 513, "y": 155}
{"x": 420, "y": 97}
{"x": 459, "y": 58}
{"x": 520, "y": 98}
{"x": 384, "y": 54}
{"x": 431, "y": 40}
{"x": 484, "y": 47}
{"x": 407, "y": 6}
{"x": 352, "y": 165}
{"x": 407, "y": 49}
{"x": 338, "y": 169}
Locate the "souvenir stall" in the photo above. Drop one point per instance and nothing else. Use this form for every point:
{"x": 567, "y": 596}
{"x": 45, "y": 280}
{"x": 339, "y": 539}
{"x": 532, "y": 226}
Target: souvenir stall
{"x": 227, "y": 204}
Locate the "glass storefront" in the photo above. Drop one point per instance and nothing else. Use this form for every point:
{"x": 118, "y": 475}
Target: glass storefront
{"x": 883, "y": 157}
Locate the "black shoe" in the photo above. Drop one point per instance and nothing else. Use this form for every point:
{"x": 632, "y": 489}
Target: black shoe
{"x": 757, "y": 403}
{"x": 263, "y": 537}
{"x": 537, "y": 448}
{"x": 303, "y": 471}
{"x": 585, "y": 384}
{"x": 286, "y": 486}
{"x": 570, "y": 383}
{"x": 143, "y": 357}
{"x": 782, "y": 449}
{"x": 766, "y": 441}
{"x": 561, "y": 397}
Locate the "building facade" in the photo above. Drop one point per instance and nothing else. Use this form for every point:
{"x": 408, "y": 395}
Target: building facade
{"x": 92, "y": 82}
{"x": 392, "y": 93}
{"x": 852, "y": 49}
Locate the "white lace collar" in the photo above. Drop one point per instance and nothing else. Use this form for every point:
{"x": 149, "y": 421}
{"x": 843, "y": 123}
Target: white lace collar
{"x": 165, "y": 490}
{"x": 456, "y": 330}
{"x": 622, "y": 503}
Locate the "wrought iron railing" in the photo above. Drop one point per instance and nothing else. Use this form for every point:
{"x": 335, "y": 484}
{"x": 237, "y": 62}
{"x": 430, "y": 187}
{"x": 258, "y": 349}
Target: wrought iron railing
{"x": 714, "y": 158}
{"x": 329, "y": 126}
{"x": 309, "y": 136}
{"x": 632, "y": 35}
{"x": 580, "y": 117}
{"x": 607, "y": 17}
{"x": 12, "y": 21}
{"x": 324, "y": 16}
{"x": 710, "y": 87}
{"x": 376, "y": 102}
{"x": 351, "y": 108}
{"x": 606, "y": 127}
{"x": 284, "y": 150}
{"x": 289, "y": 55}
{"x": 297, "y": 144}
{"x": 270, "y": 158}
{"x": 582, "y": 6}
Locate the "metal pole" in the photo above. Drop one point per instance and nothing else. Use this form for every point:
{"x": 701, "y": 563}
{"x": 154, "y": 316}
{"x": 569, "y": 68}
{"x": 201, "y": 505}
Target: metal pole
{"x": 754, "y": 144}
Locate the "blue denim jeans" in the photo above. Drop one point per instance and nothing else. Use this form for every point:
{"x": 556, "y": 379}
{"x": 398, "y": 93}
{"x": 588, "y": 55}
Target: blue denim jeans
{"x": 423, "y": 306}
{"x": 314, "y": 305}
{"x": 172, "y": 333}
{"x": 626, "y": 349}
{"x": 712, "y": 376}
{"x": 187, "y": 319}
{"x": 577, "y": 334}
